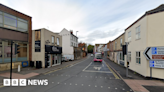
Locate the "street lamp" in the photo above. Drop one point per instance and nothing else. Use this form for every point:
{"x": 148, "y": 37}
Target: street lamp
{"x": 76, "y": 32}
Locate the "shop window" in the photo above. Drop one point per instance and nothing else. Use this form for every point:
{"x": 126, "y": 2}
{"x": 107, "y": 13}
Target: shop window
{"x": 22, "y": 55}
{"x": 7, "y": 52}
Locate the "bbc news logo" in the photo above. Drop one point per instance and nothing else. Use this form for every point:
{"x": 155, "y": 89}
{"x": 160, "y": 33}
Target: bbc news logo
{"x": 24, "y": 82}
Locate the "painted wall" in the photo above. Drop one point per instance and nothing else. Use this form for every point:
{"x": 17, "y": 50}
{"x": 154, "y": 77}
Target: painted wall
{"x": 138, "y": 45}
{"x": 155, "y": 36}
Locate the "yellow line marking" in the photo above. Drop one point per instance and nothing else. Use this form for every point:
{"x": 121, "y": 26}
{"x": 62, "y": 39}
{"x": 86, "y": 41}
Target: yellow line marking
{"x": 115, "y": 75}
{"x": 1, "y": 86}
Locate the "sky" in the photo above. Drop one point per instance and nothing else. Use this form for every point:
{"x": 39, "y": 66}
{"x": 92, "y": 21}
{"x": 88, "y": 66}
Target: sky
{"x": 97, "y": 21}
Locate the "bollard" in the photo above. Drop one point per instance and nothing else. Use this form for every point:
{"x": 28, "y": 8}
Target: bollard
{"x": 18, "y": 68}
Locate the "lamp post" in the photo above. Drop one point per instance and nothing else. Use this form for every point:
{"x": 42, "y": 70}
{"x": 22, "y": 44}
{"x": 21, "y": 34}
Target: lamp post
{"x": 76, "y": 32}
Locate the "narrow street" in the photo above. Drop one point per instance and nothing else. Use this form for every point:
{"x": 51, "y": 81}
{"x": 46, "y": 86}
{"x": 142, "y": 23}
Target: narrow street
{"x": 85, "y": 76}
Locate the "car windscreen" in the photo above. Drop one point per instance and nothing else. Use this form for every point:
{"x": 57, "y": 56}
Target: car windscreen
{"x": 98, "y": 56}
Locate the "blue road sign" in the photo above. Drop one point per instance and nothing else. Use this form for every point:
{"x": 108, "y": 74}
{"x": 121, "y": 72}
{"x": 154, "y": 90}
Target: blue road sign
{"x": 151, "y": 63}
{"x": 154, "y": 50}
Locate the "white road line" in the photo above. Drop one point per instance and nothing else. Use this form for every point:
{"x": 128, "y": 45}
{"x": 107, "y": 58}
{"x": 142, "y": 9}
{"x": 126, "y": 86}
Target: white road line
{"x": 115, "y": 88}
{"x": 101, "y": 86}
{"x": 97, "y": 71}
{"x": 82, "y": 84}
{"x": 87, "y": 66}
{"x": 108, "y": 87}
{"x": 123, "y": 89}
{"x": 58, "y": 82}
{"x": 52, "y": 82}
{"x": 89, "y": 85}
{"x": 95, "y": 86}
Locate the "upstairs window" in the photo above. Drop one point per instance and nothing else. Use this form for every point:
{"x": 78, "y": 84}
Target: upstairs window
{"x": 57, "y": 41}
{"x": 129, "y": 36}
{"x": 52, "y": 39}
{"x": 138, "y": 32}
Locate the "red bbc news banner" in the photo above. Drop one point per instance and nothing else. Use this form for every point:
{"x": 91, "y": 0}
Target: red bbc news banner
{"x": 157, "y": 56}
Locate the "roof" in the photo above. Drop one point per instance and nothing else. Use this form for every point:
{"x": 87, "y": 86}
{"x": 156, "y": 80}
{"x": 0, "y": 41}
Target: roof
{"x": 119, "y": 36}
{"x": 156, "y": 10}
{"x": 14, "y": 10}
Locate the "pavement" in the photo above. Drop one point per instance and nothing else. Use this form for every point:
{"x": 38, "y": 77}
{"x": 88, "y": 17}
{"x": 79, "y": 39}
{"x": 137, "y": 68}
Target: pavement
{"x": 82, "y": 76}
{"x": 29, "y": 72}
{"x": 136, "y": 82}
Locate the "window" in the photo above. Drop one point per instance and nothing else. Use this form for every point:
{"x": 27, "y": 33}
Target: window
{"x": 74, "y": 44}
{"x": 52, "y": 39}
{"x": 138, "y": 58}
{"x": 0, "y": 51}
{"x": 115, "y": 45}
{"x": 57, "y": 41}
{"x": 129, "y": 36}
{"x": 129, "y": 56}
{"x": 71, "y": 37}
{"x": 71, "y": 43}
{"x": 37, "y": 40}
{"x": 121, "y": 42}
{"x": 13, "y": 22}
{"x": 121, "y": 56}
{"x": 138, "y": 32}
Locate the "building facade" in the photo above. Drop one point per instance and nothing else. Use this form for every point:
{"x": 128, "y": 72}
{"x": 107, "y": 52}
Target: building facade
{"x": 69, "y": 41}
{"x": 147, "y": 31}
{"x": 46, "y": 47}
{"x": 16, "y": 27}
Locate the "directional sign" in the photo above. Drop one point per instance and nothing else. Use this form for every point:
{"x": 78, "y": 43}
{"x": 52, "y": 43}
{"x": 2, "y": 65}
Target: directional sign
{"x": 154, "y": 53}
{"x": 156, "y": 64}
{"x": 97, "y": 68}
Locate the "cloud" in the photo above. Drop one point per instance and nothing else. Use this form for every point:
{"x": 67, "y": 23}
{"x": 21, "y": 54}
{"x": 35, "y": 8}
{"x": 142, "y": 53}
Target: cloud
{"x": 97, "y": 21}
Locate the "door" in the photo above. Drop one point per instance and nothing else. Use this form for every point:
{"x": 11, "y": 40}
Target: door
{"x": 49, "y": 60}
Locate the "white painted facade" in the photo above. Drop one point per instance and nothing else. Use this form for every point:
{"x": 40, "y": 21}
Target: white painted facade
{"x": 69, "y": 41}
{"x": 151, "y": 35}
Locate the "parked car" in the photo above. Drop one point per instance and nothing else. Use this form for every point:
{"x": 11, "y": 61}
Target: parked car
{"x": 91, "y": 55}
{"x": 64, "y": 59}
{"x": 98, "y": 57}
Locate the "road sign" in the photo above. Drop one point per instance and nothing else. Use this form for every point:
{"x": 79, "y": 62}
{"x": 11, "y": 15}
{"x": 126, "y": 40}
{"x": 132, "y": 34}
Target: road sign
{"x": 156, "y": 64}
{"x": 154, "y": 53}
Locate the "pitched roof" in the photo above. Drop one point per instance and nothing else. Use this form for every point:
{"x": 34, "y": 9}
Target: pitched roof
{"x": 156, "y": 10}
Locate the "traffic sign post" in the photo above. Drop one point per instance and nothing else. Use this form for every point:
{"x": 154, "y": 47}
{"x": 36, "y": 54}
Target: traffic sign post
{"x": 155, "y": 55}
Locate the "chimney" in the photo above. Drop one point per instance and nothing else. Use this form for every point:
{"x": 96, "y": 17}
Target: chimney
{"x": 71, "y": 31}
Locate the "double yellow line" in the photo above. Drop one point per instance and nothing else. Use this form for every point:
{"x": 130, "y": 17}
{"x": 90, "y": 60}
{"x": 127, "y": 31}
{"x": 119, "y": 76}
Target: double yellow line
{"x": 115, "y": 75}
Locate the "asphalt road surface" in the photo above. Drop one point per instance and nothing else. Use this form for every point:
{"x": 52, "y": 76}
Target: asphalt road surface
{"x": 85, "y": 76}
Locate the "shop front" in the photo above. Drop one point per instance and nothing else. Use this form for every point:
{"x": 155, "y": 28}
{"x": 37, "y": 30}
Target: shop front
{"x": 53, "y": 56}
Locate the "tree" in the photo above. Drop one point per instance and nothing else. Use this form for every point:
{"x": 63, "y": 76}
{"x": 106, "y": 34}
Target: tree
{"x": 90, "y": 48}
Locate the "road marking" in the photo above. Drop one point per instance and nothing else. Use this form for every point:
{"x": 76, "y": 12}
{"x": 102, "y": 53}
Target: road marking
{"x": 75, "y": 84}
{"x": 87, "y": 66}
{"x": 108, "y": 87}
{"x": 70, "y": 84}
{"x": 95, "y": 86}
{"x": 115, "y": 88}
{"x": 123, "y": 89}
{"x": 101, "y": 86}
{"x": 82, "y": 84}
{"x": 97, "y": 71}
{"x": 58, "y": 82}
{"x": 89, "y": 85}
{"x": 115, "y": 75}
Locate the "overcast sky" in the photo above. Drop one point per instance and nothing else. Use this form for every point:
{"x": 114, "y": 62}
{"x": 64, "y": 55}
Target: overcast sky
{"x": 97, "y": 21}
